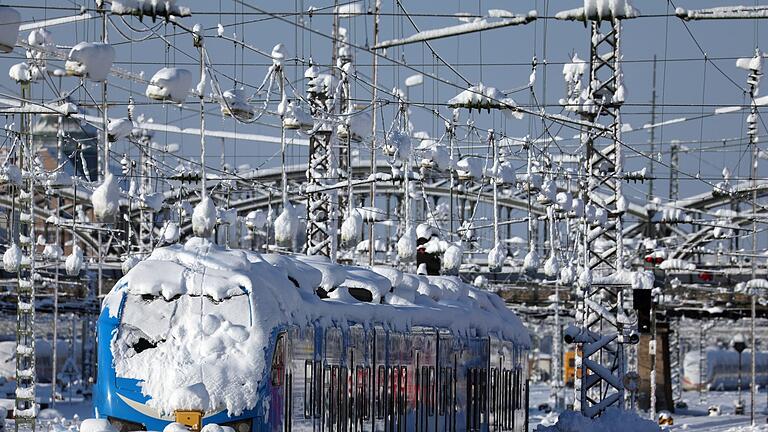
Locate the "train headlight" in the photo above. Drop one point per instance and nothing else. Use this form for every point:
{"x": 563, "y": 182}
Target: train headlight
{"x": 125, "y": 425}
{"x": 240, "y": 425}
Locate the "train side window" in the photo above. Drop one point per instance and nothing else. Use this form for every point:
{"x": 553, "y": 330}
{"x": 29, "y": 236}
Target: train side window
{"x": 394, "y": 374}
{"x": 442, "y": 384}
{"x": 278, "y": 361}
{"x": 431, "y": 396}
{"x": 317, "y": 401}
{"x": 343, "y": 396}
{"x": 403, "y": 389}
{"x": 381, "y": 391}
{"x": 309, "y": 391}
{"x": 362, "y": 401}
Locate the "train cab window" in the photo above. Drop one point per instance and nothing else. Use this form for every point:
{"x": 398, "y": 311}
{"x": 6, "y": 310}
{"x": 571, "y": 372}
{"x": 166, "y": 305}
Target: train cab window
{"x": 278, "y": 361}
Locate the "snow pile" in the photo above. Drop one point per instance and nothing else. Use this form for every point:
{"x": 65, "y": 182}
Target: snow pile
{"x": 286, "y": 225}
{"x": 170, "y": 84}
{"x": 483, "y": 97}
{"x": 221, "y": 307}
{"x": 12, "y": 259}
{"x": 152, "y": 8}
{"x": 600, "y": 10}
{"x": 106, "y": 199}
{"x": 74, "y": 261}
{"x": 92, "y": 60}
{"x": 352, "y": 227}
{"x": 204, "y": 218}
{"x": 612, "y": 420}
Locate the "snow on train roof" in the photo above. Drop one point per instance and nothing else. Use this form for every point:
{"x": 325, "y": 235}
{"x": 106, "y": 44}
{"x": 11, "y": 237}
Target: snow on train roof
{"x": 210, "y": 311}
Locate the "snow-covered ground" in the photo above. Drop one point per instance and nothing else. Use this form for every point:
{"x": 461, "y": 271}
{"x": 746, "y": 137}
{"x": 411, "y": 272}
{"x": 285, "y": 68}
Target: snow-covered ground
{"x": 694, "y": 418}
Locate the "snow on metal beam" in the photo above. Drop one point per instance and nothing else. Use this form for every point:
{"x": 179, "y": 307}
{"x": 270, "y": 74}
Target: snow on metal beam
{"x": 55, "y": 21}
{"x": 472, "y": 27}
{"x": 723, "y": 12}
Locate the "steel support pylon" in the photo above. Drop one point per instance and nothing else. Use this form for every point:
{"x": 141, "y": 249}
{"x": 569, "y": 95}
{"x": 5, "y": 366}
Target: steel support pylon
{"x": 600, "y": 354}
{"x": 319, "y": 237}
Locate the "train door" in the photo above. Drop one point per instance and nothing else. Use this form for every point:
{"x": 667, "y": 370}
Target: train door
{"x": 447, "y": 358}
{"x": 476, "y": 384}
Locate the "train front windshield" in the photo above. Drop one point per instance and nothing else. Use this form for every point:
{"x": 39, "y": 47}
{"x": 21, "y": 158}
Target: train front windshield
{"x": 184, "y": 354}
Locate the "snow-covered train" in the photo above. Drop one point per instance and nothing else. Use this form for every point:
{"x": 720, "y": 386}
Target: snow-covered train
{"x": 259, "y": 342}
{"x": 721, "y": 369}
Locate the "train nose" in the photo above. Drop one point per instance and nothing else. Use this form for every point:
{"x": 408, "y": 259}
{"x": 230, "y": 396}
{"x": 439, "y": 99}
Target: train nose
{"x": 191, "y": 419}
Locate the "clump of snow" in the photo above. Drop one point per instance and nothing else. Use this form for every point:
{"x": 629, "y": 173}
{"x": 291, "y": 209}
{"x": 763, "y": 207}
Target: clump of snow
{"x": 398, "y": 145}
{"x": 92, "y": 60}
{"x": 750, "y": 63}
{"x": 171, "y": 232}
{"x": 10, "y": 174}
{"x": 611, "y": 420}
{"x": 406, "y": 245}
{"x": 496, "y": 257}
{"x": 531, "y": 261}
{"x": 129, "y": 263}
{"x": 170, "y": 84}
{"x": 10, "y": 19}
{"x": 52, "y": 252}
{"x": 12, "y": 259}
{"x": 286, "y": 225}
{"x": 20, "y": 73}
{"x": 204, "y": 218}
{"x": 175, "y": 427}
{"x": 552, "y": 266}
{"x": 106, "y": 199}
{"x": 484, "y": 97}
{"x": 452, "y": 257}
{"x": 119, "y": 128}
{"x": 677, "y": 264}
{"x": 296, "y": 118}
{"x": 141, "y": 8}
{"x": 74, "y": 261}
{"x": 470, "y": 167}
{"x": 193, "y": 397}
{"x": 600, "y": 10}
{"x": 567, "y": 275}
{"x": 256, "y": 219}
{"x": 352, "y": 227}
{"x": 96, "y": 425}
{"x": 235, "y": 103}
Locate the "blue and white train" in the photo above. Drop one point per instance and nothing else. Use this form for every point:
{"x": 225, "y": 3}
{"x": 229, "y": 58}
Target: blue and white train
{"x": 277, "y": 343}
